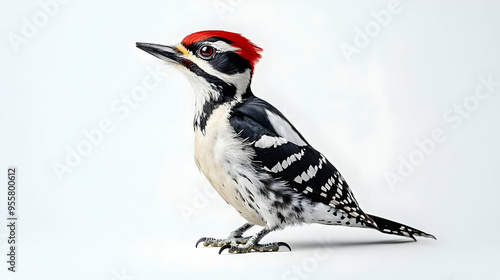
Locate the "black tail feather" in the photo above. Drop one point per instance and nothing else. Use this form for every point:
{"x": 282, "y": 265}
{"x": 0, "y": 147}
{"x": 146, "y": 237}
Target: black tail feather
{"x": 392, "y": 227}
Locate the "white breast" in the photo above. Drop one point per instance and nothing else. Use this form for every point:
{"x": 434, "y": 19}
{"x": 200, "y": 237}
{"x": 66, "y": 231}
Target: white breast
{"x": 221, "y": 157}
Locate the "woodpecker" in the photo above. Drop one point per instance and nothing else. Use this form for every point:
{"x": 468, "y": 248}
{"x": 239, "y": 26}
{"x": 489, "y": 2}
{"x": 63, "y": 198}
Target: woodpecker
{"x": 256, "y": 160}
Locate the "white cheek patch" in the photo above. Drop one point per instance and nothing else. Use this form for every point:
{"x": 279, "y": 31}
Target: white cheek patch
{"x": 239, "y": 80}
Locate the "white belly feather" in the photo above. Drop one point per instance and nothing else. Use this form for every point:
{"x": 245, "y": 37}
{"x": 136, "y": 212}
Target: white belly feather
{"x": 220, "y": 156}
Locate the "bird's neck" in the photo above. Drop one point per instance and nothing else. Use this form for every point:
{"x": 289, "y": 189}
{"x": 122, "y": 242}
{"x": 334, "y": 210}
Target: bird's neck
{"x": 209, "y": 97}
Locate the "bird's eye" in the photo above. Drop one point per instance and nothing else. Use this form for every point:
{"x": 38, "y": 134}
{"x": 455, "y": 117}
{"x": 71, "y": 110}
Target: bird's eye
{"x": 206, "y": 52}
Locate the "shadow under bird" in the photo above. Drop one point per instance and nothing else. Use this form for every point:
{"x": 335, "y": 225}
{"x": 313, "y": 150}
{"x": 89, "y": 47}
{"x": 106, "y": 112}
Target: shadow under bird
{"x": 252, "y": 155}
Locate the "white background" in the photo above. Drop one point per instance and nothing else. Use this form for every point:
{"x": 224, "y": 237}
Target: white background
{"x": 135, "y": 205}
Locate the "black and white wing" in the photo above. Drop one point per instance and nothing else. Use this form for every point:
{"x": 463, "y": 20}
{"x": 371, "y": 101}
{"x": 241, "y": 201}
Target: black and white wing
{"x": 283, "y": 152}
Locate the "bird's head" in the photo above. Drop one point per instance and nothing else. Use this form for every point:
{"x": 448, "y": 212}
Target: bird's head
{"x": 218, "y": 63}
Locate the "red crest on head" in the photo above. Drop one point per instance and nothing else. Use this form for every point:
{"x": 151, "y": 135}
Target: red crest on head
{"x": 246, "y": 49}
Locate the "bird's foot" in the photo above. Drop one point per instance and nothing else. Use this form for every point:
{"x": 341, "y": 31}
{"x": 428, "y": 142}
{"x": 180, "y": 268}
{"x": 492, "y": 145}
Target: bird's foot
{"x": 214, "y": 242}
{"x": 249, "y": 246}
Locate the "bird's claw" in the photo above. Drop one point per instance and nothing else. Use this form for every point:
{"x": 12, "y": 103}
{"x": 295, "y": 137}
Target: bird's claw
{"x": 209, "y": 241}
{"x": 245, "y": 248}
{"x": 203, "y": 239}
{"x": 284, "y": 245}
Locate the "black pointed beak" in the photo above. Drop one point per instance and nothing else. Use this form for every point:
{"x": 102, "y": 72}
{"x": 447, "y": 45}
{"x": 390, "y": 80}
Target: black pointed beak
{"x": 165, "y": 53}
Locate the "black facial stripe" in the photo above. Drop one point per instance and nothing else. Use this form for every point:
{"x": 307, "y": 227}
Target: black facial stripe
{"x": 227, "y": 62}
{"x": 224, "y": 88}
{"x": 215, "y": 39}
{"x": 227, "y": 92}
